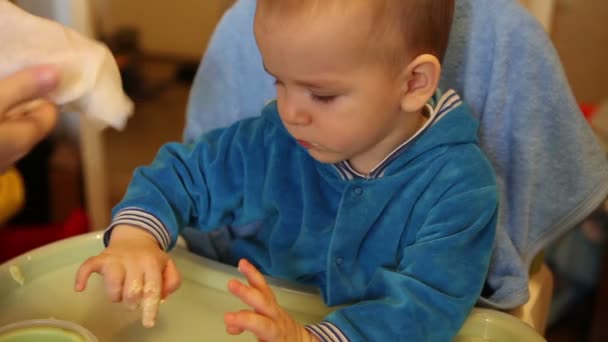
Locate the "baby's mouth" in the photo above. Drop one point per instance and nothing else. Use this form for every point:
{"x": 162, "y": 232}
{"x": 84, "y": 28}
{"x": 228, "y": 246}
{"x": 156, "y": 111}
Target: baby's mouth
{"x": 305, "y": 143}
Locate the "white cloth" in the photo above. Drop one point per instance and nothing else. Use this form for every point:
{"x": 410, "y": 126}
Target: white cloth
{"x": 90, "y": 79}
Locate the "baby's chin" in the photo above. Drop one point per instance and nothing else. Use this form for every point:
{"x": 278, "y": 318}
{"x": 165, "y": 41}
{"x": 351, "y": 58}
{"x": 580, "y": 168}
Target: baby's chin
{"x": 325, "y": 157}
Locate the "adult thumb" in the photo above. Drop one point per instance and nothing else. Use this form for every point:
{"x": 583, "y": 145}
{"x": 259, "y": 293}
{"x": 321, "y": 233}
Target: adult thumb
{"x": 26, "y": 85}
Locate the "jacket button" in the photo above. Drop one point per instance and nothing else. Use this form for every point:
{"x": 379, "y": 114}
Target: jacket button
{"x": 339, "y": 260}
{"x": 358, "y": 191}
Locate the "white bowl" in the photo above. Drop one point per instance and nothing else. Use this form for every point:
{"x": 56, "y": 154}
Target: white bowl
{"x": 45, "y": 330}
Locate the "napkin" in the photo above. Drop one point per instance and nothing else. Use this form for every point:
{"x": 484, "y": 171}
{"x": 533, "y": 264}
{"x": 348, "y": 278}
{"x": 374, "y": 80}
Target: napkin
{"x": 90, "y": 79}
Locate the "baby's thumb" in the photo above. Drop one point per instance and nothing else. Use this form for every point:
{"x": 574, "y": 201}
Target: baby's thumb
{"x": 171, "y": 279}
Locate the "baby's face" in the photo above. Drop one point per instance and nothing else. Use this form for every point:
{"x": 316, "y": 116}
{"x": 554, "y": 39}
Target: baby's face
{"x": 332, "y": 97}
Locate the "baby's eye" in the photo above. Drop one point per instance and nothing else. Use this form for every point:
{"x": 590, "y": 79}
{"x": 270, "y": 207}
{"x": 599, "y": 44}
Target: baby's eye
{"x": 323, "y": 98}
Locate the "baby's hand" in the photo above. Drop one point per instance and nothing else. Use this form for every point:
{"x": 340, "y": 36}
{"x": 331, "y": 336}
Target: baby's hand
{"x": 135, "y": 269}
{"x": 268, "y": 321}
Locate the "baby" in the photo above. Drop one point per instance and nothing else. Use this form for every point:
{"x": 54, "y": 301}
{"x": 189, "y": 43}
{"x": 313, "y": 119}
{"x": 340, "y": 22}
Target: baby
{"x": 362, "y": 179}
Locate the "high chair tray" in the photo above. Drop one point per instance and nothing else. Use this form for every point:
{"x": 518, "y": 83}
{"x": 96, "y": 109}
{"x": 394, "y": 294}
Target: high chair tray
{"x": 196, "y": 310}
{"x": 193, "y": 313}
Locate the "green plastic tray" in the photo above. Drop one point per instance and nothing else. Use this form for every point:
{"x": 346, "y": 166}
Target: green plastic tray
{"x": 193, "y": 313}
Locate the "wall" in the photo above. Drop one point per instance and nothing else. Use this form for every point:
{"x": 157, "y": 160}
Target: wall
{"x": 174, "y": 28}
{"x": 580, "y": 34}
{"x": 543, "y": 10}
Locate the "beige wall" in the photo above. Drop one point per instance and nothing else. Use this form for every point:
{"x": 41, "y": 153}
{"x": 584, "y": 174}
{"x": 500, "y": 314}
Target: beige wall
{"x": 580, "y": 34}
{"x": 178, "y": 28}
{"x": 543, "y": 10}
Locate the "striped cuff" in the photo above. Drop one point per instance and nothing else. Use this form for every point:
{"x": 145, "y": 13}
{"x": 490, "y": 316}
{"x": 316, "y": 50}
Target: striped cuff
{"x": 141, "y": 219}
{"x": 327, "y": 332}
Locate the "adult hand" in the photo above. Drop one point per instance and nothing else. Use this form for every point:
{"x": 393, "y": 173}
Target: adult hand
{"x": 267, "y": 321}
{"x": 136, "y": 271}
{"x": 25, "y": 116}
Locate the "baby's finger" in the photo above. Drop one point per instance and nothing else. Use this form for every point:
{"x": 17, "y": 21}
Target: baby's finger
{"x": 252, "y": 297}
{"x": 151, "y": 297}
{"x": 255, "y": 278}
{"x": 262, "y": 327}
{"x": 171, "y": 279}
{"x": 133, "y": 290}
{"x": 90, "y": 266}
{"x": 234, "y": 330}
{"x": 114, "y": 278}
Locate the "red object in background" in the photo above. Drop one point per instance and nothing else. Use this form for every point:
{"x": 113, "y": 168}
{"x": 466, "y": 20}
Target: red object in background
{"x": 588, "y": 110}
{"x": 17, "y": 240}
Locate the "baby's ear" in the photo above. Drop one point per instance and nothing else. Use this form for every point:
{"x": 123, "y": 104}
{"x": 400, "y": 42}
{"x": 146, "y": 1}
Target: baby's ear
{"x": 420, "y": 81}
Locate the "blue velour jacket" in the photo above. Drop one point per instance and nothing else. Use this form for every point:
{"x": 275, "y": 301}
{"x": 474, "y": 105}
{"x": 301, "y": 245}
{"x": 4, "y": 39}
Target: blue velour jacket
{"x": 406, "y": 252}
